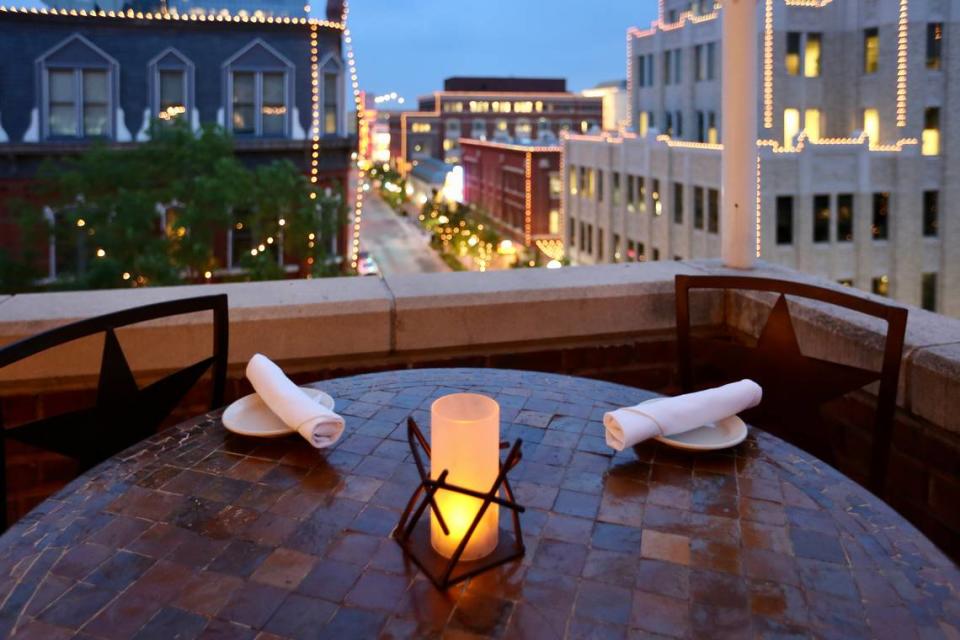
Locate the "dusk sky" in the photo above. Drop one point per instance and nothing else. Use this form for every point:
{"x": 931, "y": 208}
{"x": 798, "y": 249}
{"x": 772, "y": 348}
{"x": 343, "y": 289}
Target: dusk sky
{"x": 410, "y": 46}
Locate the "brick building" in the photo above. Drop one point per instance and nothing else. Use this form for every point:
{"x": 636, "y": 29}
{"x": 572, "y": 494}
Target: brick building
{"x": 519, "y": 186}
{"x": 72, "y": 78}
{"x": 499, "y": 109}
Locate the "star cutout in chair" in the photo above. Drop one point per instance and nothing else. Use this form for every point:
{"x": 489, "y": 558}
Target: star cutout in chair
{"x": 790, "y": 380}
{"x": 123, "y": 414}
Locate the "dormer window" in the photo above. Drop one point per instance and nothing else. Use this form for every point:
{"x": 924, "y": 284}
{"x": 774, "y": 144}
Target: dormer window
{"x": 77, "y": 88}
{"x": 331, "y": 70}
{"x": 171, "y": 76}
{"x": 260, "y": 90}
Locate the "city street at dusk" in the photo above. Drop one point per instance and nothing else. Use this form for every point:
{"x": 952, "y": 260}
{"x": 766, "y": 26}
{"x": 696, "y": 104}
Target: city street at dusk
{"x": 396, "y": 244}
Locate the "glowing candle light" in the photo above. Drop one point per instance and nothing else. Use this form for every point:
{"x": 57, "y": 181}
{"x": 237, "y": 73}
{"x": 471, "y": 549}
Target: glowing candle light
{"x": 465, "y": 441}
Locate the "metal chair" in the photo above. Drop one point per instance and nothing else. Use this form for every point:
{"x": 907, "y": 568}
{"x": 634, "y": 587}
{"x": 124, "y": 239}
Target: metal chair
{"x": 123, "y": 414}
{"x": 796, "y": 385}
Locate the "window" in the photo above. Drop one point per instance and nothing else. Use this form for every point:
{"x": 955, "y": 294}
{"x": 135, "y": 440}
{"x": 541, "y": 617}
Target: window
{"x": 616, "y": 248}
{"x": 667, "y": 66}
{"x": 599, "y": 184}
{"x": 631, "y": 250}
{"x": 931, "y": 132}
{"x": 711, "y": 61}
{"x": 679, "y": 121}
{"x": 701, "y": 127}
{"x": 845, "y": 217}
{"x": 479, "y": 129}
{"x": 641, "y": 251}
{"x": 678, "y": 66}
{"x": 656, "y": 254}
{"x": 600, "y": 237}
{"x": 631, "y": 195}
{"x": 928, "y": 291}
{"x": 821, "y": 219}
{"x": 583, "y": 237}
{"x": 77, "y": 102}
{"x": 881, "y": 216}
{"x": 698, "y": 208}
{"x": 871, "y": 125}
{"x": 641, "y": 71}
{"x": 791, "y": 126}
{"x": 172, "y": 95}
{"x": 713, "y": 211}
{"x": 785, "y": 220}
{"x": 589, "y": 238}
{"x": 258, "y": 80}
{"x": 642, "y": 194}
{"x": 554, "y": 222}
{"x": 523, "y": 130}
{"x": 573, "y": 180}
{"x": 934, "y": 45}
{"x": 331, "y": 92}
{"x": 881, "y": 286}
{"x": 713, "y": 137}
{"x": 811, "y": 124}
{"x": 171, "y": 77}
{"x": 792, "y": 59}
{"x": 657, "y": 205}
{"x": 811, "y": 56}
{"x": 678, "y": 203}
{"x": 644, "y": 123}
{"x": 699, "y": 63}
{"x": 668, "y": 121}
{"x": 616, "y": 189}
{"x": 931, "y": 206}
{"x": 871, "y": 50}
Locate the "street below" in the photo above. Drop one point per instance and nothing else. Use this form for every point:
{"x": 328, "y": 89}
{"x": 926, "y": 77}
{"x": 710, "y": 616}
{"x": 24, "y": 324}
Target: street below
{"x": 397, "y": 244}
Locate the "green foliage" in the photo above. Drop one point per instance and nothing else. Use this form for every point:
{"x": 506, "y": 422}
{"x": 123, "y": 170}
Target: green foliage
{"x": 109, "y": 203}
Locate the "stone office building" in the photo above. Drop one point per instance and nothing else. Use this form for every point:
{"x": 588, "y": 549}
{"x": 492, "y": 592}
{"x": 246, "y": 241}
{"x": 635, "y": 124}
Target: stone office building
{"x": 72, "y": 77}
{"x": 857, "y": 159}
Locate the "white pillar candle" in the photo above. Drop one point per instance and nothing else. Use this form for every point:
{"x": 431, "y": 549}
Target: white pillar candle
{"x": 465, "y": 440}
{"x": 738, "y": 224}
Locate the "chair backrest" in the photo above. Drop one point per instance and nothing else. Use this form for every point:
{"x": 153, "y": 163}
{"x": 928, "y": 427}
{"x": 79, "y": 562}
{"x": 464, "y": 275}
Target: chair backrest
{"x": 777, "y": 357}
{"x": 123, "y": 413}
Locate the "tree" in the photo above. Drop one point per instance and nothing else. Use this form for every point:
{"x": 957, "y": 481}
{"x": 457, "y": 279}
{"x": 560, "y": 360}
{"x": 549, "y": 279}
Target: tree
{"x": 152, "y": 214}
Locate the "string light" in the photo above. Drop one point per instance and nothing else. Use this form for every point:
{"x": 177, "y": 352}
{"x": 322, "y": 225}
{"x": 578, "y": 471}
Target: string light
{"x": 902, "y": 52}
{"x": 195, "y": 15}
{"x": 362, "y": 131}
{"x": 101, "y": 253}
{"x": 528, "y": 198}
{"x": 81, "y": 222}
{"x": 768, "y": 65}
{"x": 126, "y": 275}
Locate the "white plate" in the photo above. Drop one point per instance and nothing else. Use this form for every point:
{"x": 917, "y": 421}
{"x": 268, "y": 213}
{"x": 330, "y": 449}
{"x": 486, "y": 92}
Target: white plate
{"x": 249, "y": 416}
{"x": 724, "y": 434}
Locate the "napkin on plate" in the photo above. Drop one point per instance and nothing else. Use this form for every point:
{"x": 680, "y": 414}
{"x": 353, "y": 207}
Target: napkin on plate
{"x": 320, "y": 426}
{"x": 632, "y": 425}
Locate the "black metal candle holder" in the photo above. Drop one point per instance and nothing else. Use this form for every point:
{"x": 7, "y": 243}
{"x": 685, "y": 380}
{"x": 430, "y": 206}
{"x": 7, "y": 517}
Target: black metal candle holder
{"x": 413, "y": 536}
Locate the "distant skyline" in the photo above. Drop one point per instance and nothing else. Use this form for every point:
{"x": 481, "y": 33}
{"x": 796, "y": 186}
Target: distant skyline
{"x": 410, "y": 47}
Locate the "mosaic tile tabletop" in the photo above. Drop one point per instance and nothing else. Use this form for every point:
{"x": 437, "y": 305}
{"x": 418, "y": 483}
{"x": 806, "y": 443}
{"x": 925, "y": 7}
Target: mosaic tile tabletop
{"x": 199, "y": 533}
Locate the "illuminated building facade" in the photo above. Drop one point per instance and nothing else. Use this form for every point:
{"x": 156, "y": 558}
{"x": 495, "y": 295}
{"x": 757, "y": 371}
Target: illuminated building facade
{"x": 518, "y": 185}
{"x": 857, "y": 159}
{"x": 616, "y": 103}
{"x": 498, "y": 109}
{"x": 74, "y": 78}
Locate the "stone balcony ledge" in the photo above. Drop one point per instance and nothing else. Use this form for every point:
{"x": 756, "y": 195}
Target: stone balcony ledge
{"x": 356, "y": 323}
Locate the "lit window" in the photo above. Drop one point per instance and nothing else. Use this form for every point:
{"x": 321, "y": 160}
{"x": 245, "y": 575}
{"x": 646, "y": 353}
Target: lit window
{"x": 554, "y": 222}
{"x": 871, "y": 126}
{"x": 644, "y": 123}
{"x": 657, "y": 204}
{"x": 791, "y": 126}
{"x": 573, "y": 181}
{"x": 792, "y": 59}
{"x": 713, "y": 137}
{"x": 523, "y": 129}
{"x": 931, "y": 132}
{"x": 811, "y": 56}
{"x": 881, "y": 286}
{"x": 871, "y": 50}
{"x": 259, "y": 103}
{"x": 934, "y": 45}
{"x": 616, "y": 190}
{"x": 501, "y": 125}
{"x": 811, "y": 124}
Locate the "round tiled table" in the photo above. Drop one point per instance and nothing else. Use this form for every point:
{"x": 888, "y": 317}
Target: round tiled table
{"x": 200, "y": 533}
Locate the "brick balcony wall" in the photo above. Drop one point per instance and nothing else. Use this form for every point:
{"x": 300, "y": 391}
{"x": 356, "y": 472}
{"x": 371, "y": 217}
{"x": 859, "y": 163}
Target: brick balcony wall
{"x": 611, "y": 322}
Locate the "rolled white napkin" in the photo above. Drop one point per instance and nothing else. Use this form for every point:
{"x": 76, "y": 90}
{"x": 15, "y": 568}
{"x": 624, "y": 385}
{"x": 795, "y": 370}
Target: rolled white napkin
{"x": 632, "y": 425}
{"x": 320, "y": 426}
